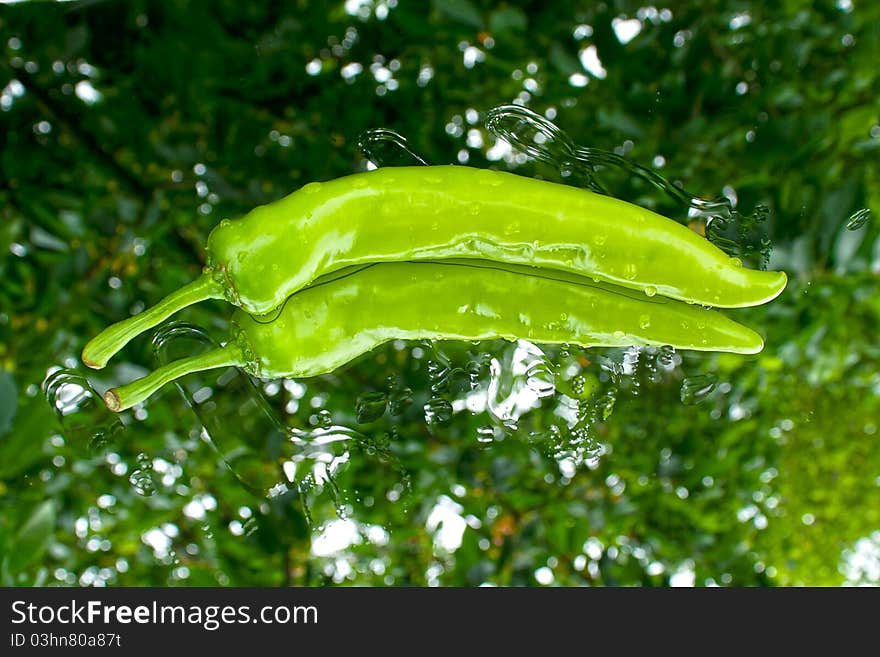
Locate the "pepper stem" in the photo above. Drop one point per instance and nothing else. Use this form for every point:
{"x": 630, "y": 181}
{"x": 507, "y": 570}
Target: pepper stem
{"x": 119, "y": 399}
{"x": 103, "y": 346}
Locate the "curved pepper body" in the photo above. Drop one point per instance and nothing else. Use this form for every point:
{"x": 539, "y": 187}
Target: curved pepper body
{"x": 325, "y": 326}
{"x": 429, "y": 213}
{"x": 346, "y": 315}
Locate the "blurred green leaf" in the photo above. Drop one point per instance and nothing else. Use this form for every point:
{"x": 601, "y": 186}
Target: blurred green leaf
{"x": 620, "y": 120}
{"x": 23, "y": 446}
{"x": 8, "y": 401}
{"x": 508, "y": 19}
{"x": 564, "y": 61}
{"x": 460, "y": 11}
{"x": 32, "y": 539}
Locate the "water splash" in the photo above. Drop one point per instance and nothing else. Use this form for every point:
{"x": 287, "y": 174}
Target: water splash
{"x": 523, "y": 377}
{"x": 84, "y": 418}
{"x": 541, "y": 139}
{"x": 518, "y": 381}
{"x": 737, "y": 234}
{"x": 386, "y": 148}
{"x": 238, "y": 424}
{"x": 269, "y": 458}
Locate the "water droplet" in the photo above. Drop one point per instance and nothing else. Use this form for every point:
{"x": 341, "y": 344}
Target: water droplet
{"x": 141, "y": 478}
{"x": 607, "y": 402}
{"x": 650, "y": 291}
{"x": 325, "y": 419}
{"x": 666, "y": 357}
{"x": 858, "y": 219}
{"x": 84, "y": 418}
{"x": 697, "y": 388}
{"x": 312, "y": 188}
{"x": 485, "y": 435}
{"x": 599, "y": 240}
{"x": 370, "y": 406}
{"x": 385, "y": 147}
{"x": 736, "y": 262}
{"x": 644, "y": 321}
{"x": 630, "y": 271}
{"x": 438, "y": 411}
{"x": 583, "y": 387}
{"x": 619, "y": 335}
{"x": 400, "y": 400}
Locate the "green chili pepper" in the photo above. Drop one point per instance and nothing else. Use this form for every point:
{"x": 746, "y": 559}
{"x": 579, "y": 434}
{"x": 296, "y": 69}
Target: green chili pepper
{"x": 348, "y": 314}
{"x": 429, "y": 213}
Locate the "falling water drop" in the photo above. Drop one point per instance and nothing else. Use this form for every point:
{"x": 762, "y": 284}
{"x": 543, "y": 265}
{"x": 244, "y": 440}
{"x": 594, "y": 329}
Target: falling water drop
{"x": 85, "y": 419}
{"x": 696, "y": 389}
{"x": 385, "y": 148}
{"x": 141, "y": 478}
{"x": 666, "y": 358}
{"x": 325, "y": 419}
{"x": 518, "y": 381}
{"x": 370, "y": 406}
{"x": 438, "y": 411}
{"x": 485, "y": 435}
{"x": 400, "y": 400}
{"x": 858, "y": 219}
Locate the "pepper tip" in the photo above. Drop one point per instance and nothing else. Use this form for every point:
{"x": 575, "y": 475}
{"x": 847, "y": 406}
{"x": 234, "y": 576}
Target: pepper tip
{"x": 90, "y": 359}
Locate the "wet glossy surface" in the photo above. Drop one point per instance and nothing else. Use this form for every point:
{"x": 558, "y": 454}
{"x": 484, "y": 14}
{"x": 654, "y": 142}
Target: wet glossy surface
{"x": 330, "y": 324}
{"x": 422, "y": 213}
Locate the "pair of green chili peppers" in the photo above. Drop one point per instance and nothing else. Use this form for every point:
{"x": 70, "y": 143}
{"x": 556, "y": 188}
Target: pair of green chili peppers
{"x": 448, "y": 252}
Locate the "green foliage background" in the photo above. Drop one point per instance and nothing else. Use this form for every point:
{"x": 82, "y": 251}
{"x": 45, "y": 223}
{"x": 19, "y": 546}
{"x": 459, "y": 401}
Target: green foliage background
{"x": 206, "y": 109}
